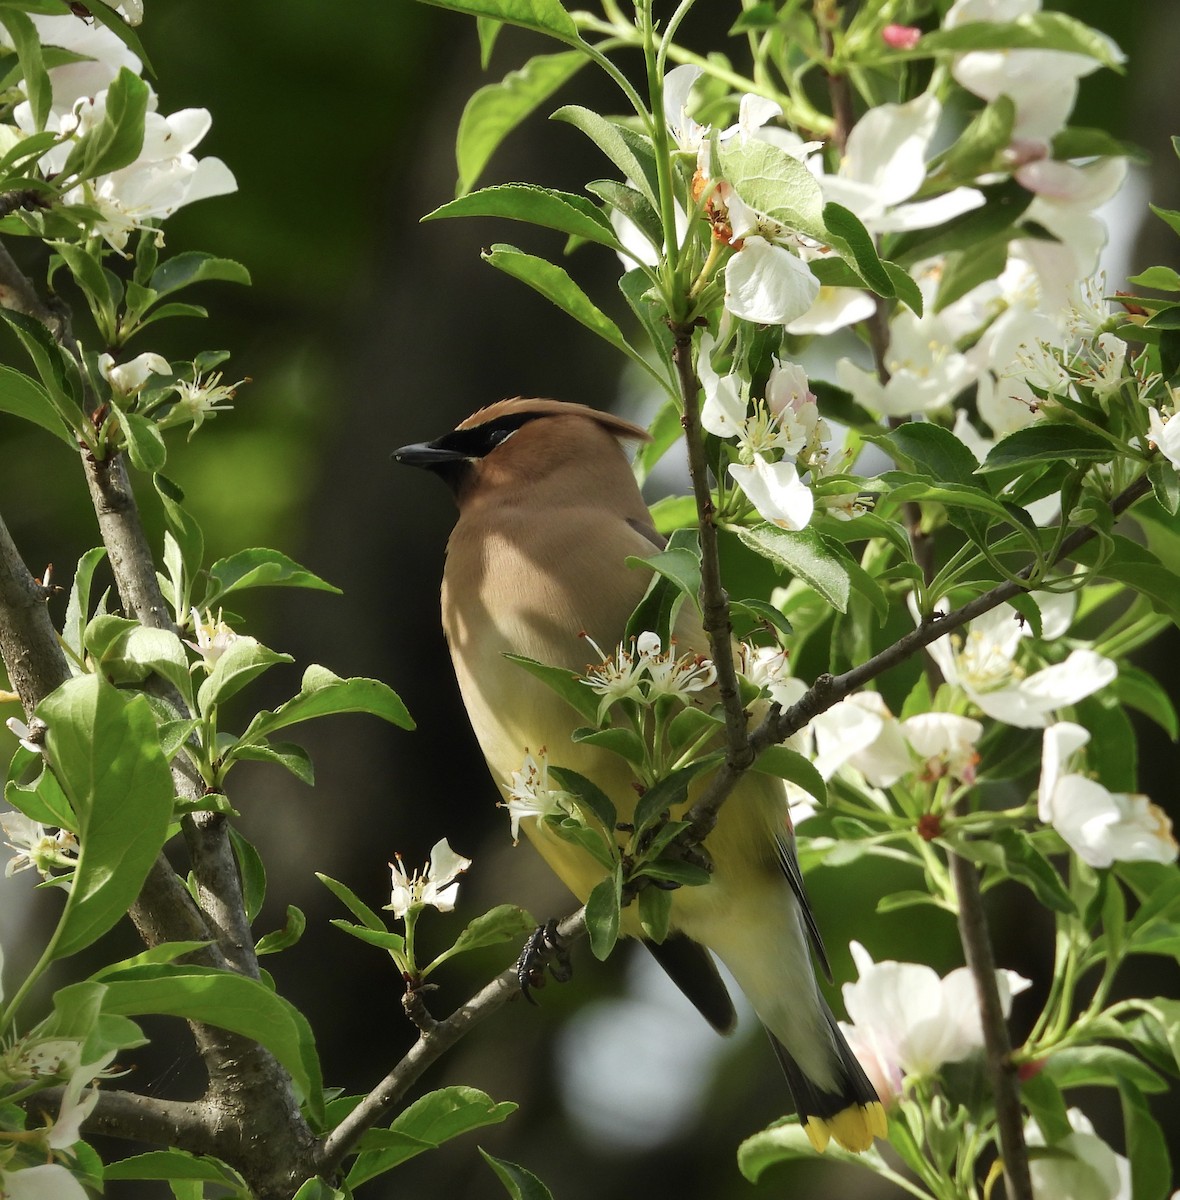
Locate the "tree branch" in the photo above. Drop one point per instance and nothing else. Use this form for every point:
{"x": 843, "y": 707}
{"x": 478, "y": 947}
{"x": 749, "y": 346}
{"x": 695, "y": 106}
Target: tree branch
{"x": 430, "y": 1045}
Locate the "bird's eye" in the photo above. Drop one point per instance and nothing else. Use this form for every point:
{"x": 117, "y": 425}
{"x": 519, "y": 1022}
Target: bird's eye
{"x": 496, "y": 436}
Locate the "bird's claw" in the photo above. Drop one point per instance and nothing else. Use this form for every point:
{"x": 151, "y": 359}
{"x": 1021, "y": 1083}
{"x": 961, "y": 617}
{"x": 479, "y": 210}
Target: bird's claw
{"x": 544, "y": 949}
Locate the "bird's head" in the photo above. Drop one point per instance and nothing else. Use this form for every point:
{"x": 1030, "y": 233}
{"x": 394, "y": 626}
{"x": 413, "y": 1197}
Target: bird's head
{"x": 513, "y": 441}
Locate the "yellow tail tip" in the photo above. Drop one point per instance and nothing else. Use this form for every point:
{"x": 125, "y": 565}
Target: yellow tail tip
{"x": 853, "y": 1127}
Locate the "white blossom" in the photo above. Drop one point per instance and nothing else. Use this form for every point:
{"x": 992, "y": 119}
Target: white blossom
{"x": 435, "y": 885}
{"x": 127, "y": 379}
{"x": 1088, "y": 1169}
{"x": 530, "y": 794}
{"x": 1100, "y": 826}
{"x": 861, "y": 732}
{"x": 671, "y": 676}
{"x": 204, "y": 397}
{"x": 1164, "y": 434}
{"x": 908, "y": 1021}
{"x": 945, "y": 743}
{"x": 776, "y": 491}
{"x": 46, "y": 1181}
{"x": 214, "y": 637}
{"x": 36, "y": 847}
{"x": 982, "y": 661}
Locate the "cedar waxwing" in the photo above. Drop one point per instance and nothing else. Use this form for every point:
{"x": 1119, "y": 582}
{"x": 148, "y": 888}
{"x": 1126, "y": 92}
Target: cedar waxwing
{"x": 549, "y": 512}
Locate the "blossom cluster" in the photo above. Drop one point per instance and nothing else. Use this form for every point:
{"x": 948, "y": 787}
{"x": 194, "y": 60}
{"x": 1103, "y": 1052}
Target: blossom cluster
{"x": 645, "y": 671}
{"x": 164, "y": 176}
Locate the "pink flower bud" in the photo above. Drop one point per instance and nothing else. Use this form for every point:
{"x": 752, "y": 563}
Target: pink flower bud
{"x": 901, "y": 37}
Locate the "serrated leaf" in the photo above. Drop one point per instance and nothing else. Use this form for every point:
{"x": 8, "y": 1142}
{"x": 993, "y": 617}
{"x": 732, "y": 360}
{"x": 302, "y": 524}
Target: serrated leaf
{"x": 195, "y": 266}
{"x": 428, "y": 1123}
{"x": 518, "y": 1183}
{"x": 569, "y": 686}
{"x": 1162, "y": 279}
{"x": 229, "y": 1001}
{"x": 772, "y": 181}
{"x": 353, "y": 903}
{"x": 243, "y": 661}
{"x": 625, "y": 148}
{"x": 807, "y": 556}
{"x": 283, "y": 754}
{"x": 784, "y": 763}
{"x": 542, "y": 16}
{"x": 323, "y": 693}
{"x": 563, "y": 211}
{"x": 174, "y": 1164}
{"x": 27, "y": 399}
{"x": 259, "y": 567}
{"x": 602, "y": 916}
{"x": 1046, "y": 442}
{"x": 106, "y": 755}
{"x": 38, "y": 87}
{"x": 496, "y": 109}
{"x": 618, "y": 740}
{"x": 504, "y": 923}
{"x": 680, "y": 565}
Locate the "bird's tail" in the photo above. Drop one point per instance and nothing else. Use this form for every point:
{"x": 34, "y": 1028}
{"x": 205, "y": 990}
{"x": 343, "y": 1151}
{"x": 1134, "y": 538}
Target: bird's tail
{"x": 849, "y": 1112}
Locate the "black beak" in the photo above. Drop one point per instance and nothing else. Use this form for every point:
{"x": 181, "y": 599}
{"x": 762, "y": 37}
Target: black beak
{"x": 427, "y": 455}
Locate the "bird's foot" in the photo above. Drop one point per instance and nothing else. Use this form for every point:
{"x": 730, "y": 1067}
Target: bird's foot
{"x": 544, "y": 950}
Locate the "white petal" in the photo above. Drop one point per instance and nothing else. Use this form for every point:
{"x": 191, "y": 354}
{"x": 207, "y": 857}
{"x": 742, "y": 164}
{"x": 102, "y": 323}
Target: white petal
{"x": 767, "y": 284}
{"x": 887, "y": 148}
{"x": 834, "y": 308}
{"x": 445, "y": 864}
{"x": 1059, "y": 744}
{"x": 925, "y": 214}
{"x": 46, "y": 1182}
{"x": 776, "y": 491}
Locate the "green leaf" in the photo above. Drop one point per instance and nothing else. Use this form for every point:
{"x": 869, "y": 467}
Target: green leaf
{"x": 563, "y": 211}
{"x": 488, "y": 29}
{"x": 787, "y": 764}
{"x": 626, "y": 149}
{"x": 143, "y": 440}
{"x": 184, "y": 529}
{"x": 116, "y": 141}
{"x": 195, "y": 266}
{"x": 176, "y": 1164}
{"x": 353, "y": 903}
{"x": 322, "y": 694}
{"x": 285, "y": 938}
{"x": 27, "y": 399}
{"x": 929, "y": 449}
{"x": 57, "y": 368}
{"x": 143, "y": 650}
{"x": 587, "y": 794}
{"x": 501, "y": 924}
{"x": 569, "y": 686}
{"x": 617, "y": 739}
{"x": 1162, "y": 279}
{"x": 655, "y": 912}
{"x": 666, "y": 428}
{"x": 27, "y": 43}
{"x": 229, "y": 1001}
{"x": 426, "y": 1124}
{"x": 781, "y": 1142}
{"x": 1046, "y": 1105}
{"x": 636, "y": 207}
{"x": 496, "y": 109}
{"x": 1165, "y": 483}
{"x": 78, "y": 607}
{"x": 1043, "y": 443}
{"x": 252, "y": 872}
{"x": 1104, "y": 1066}
{"x": 772, "y": 181}
{"x": 106, "y": 755}
{"x": 1033, "y": 31}
{"x": 242, "y": 662}
{"x": 670, "y": 792}
{"x": 542, "y": 16}
{"x": 975, "y": 150}
{"x": 283, "y": 754}
{"x": 552, "y": 282}
{"x": 382, "y": 938}
{"x": 1139, "y": 690}
{"x": 846, "y": 225}
{"x": 807, "y": 555}
{"x": 656, "y": 611}
{"x": 518, "y": 1183}
{"x": 602, "y": 916}
{"x": 1147, "y": 1148}
{"x": 681, "y": 565}
{"x": 259, "y": 567}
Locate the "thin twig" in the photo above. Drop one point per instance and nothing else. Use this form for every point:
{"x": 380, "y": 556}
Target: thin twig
{"x": 714, "y": 602}
{"x": 430, "y": 1045}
